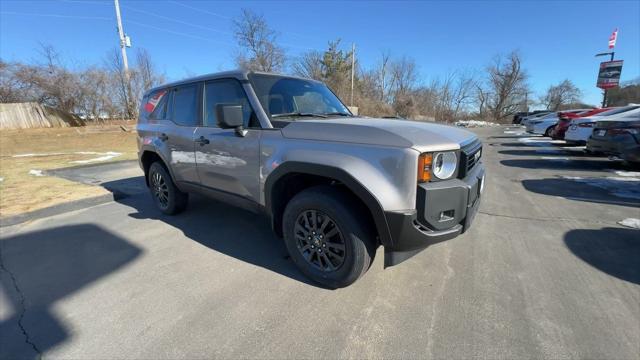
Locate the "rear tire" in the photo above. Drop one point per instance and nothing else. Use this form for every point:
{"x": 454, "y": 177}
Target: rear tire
{"x": 167, "y": 197}
{"x": 547, "y": 133}
{"x": 327, "y": 236}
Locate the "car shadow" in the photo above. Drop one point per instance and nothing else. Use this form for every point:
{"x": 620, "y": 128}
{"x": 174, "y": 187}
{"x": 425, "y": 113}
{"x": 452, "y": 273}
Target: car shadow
{"x": 544, "y": 152}
{"x": 561, "y": 164}
{"x": 614, "y": 251}
{"x": 232, "y": 231}
{"x": 513, "y": 144}
{"x": 514, "y": 136}
{"x": 39, "y": 268}
{"x": 597, "y": 190}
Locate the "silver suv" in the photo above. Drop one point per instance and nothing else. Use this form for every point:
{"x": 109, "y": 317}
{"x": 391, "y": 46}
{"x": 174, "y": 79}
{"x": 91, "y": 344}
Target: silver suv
{"x": 335, "y": 186}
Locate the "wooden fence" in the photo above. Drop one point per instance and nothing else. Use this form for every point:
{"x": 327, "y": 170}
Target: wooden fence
{"x": 33, "y": 115}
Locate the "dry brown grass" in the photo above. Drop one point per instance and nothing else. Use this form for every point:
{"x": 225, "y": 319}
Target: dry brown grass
{"x": 22, "y": 192}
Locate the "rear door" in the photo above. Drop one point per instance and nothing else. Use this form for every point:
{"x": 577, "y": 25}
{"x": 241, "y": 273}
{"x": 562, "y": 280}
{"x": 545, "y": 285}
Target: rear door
{"x": 178, "y": 134}
{"x": 228, "y": 162}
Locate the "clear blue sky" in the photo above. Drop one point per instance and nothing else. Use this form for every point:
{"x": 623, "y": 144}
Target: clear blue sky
{"x": 558, "y": 39}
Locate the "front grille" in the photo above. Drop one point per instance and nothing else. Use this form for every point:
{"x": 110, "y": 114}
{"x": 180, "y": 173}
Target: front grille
{"x": 468, "y": 158}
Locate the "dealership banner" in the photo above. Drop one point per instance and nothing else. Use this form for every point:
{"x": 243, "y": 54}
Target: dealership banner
{"x": 609, "y": 75}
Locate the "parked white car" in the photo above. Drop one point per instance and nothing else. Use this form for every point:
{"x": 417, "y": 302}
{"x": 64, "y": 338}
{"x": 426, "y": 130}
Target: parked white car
{"x": 580, "y": 129}
{"x": 525, "y": 121}
{"x": 544, "y": 124}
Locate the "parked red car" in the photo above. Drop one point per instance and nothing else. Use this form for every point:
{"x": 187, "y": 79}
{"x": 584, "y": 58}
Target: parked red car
{"x": 564, "y": 120}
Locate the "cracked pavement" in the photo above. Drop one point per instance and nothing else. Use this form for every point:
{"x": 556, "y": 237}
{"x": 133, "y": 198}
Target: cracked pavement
{"x": 544, "y": 272}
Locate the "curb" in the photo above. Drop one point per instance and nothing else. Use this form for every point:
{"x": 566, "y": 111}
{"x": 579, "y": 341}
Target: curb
{"x": 60, "y": 209}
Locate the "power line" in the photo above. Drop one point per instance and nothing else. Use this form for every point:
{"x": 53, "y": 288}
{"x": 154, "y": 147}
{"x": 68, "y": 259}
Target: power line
{"x": 57, "y": 15}
{"x": 201, "y": 26}
{"x": 151, "y": 26}
{"x": 200, "y": 10}
{"x": 177, "y": 32}
{"x": 229, "y": 18}
{"x": 176, "y": 20}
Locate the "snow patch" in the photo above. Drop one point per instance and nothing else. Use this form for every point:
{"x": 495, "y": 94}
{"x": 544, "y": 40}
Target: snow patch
{"x": 559, "y": 158}
{"x": 628, "y": 173}
{"x": 37, "y": 155}
{"x": 1, "y": 179}
{"x": 540, "y": 141}
{"x": 107, "y": 156}
{"x": 36, "y": 172}
{"x": 517, "y": 132}
{"x": 630, "y": 222}
{"x": 475, "y": 123}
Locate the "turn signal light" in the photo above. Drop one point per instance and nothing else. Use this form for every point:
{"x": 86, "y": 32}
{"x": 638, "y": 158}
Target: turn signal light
{"x": 424, "y": 167}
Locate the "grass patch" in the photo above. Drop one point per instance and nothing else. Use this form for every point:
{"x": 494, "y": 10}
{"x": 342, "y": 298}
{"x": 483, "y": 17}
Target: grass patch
{"x": 54, "y": 148}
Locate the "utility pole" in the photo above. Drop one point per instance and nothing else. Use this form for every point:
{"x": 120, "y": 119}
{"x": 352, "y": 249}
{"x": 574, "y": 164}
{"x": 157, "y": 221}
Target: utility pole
{"x": 353, "y": 66}
{"x": 124, "y": 43}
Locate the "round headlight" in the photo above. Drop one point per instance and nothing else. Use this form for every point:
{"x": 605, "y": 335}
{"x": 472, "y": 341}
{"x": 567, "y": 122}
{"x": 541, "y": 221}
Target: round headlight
{"x": 444, "y": 164}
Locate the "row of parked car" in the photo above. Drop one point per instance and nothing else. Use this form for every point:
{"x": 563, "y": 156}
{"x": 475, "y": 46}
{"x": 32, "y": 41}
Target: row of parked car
{"x": 613, "y": 131}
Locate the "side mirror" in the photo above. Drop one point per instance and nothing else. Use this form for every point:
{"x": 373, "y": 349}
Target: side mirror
{"x": 229, "y": 116}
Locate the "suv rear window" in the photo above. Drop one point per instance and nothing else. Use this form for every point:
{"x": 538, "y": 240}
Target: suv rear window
{"x": 185, "y": 105}
{"x": 152, "y": 103}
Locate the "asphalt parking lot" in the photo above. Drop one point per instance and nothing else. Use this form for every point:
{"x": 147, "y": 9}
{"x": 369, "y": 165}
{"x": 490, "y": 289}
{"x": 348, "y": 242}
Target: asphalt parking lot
{"x": 545, "y": 272}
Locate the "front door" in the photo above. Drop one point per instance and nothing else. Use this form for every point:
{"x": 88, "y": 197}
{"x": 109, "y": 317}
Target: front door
{"x": 225, "y": 161}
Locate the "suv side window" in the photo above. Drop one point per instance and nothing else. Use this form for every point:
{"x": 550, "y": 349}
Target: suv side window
{"x": 185, "y": 105}
{"x": 227, "y": 91}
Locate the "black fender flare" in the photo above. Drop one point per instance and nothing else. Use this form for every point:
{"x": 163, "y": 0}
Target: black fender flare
{"x": 374, "y": 206}
{"x": 150, "y": 149}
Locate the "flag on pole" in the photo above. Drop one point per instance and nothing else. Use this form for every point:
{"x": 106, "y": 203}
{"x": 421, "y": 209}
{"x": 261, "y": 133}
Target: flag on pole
{"x": 613, "y": 38}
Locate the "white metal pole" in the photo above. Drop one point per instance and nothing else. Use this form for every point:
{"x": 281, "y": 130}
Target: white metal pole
{"x": 121, "y": 35}
{"x": 353, "y": 66}
{"x": 125, "y": 62}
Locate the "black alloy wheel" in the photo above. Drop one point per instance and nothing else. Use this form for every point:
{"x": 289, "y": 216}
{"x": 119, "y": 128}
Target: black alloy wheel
{"x": 320, "y": 240}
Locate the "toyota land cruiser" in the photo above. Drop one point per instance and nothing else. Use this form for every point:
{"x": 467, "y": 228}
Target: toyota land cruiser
{"x": 335, "y": 186}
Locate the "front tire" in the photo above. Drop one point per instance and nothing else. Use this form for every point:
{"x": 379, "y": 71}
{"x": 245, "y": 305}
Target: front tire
{"x": 167, "y": 197}
{"x": 326, "y": 236}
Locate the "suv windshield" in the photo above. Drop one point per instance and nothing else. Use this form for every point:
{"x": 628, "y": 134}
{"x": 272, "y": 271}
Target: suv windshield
{"x": 288, "y": 98}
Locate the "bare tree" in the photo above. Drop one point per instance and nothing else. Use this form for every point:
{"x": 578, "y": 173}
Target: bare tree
{"x": 309, "y": 65}
{"x": 96, "y": 101}
{"x": 121, "y": 84}
{"x": 481, "y": 100}
{"x": 385, "y": 82}
{"x": 404, "y": 75}
{"x": 625, "y": 94}
{"x": 561, "y": 94}
{"x": 12, "y": 89}
{"x": 507, "y": 85}
{"x": 258, "y": 43}
{"x": 146, "y": 70}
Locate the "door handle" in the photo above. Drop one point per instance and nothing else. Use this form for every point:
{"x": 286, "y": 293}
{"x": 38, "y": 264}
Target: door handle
{"x": 163, "y": 137}
{"x": 202, "y": 140}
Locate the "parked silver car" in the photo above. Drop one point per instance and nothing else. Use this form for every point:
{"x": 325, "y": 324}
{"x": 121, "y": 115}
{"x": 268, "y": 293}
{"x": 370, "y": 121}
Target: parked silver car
{"x": 334, "y": 185}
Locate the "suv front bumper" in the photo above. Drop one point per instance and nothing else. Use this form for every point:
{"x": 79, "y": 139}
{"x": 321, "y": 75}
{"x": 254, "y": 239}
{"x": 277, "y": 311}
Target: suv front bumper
{"x": 445, "y": 210}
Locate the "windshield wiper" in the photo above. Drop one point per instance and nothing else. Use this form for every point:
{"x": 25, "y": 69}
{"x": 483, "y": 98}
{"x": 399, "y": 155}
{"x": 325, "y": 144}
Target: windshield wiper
{"x": 299, "y": 114}
{"x": 338, "y": 113}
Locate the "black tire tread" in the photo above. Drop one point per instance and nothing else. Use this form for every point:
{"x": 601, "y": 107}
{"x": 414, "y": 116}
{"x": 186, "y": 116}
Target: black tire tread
{"x": 340, "y": 205}
{"x": 178, "y": 200}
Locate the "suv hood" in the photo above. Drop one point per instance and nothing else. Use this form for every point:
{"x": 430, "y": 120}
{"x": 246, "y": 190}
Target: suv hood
{"x": 421, "y": 136}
